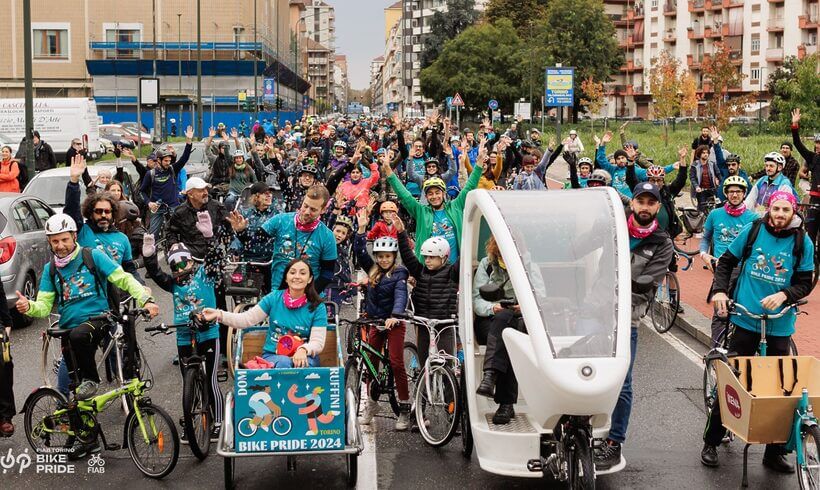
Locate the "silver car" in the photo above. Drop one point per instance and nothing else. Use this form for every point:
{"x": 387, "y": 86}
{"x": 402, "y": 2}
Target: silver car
{"x": 49, "y": 185}
{"x": 24, "y": 247}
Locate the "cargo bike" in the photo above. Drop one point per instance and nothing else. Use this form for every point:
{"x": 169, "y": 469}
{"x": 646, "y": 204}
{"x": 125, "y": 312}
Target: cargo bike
{"x": 289, "y": 412}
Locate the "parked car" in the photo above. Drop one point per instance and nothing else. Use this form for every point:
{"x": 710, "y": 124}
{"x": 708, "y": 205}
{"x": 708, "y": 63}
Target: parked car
{"x": 118, "y": 132}
{"x": 49, "y": 186}
{"x": 134, "y": 128}
{"x": 106, "y": 146}
{"x": 24, "y": 249}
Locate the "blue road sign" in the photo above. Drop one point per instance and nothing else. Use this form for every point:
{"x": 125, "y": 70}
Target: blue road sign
{"x": 449, "y": 101}
{"x": 560, "y": 90}
{"x": 493, "y": 104}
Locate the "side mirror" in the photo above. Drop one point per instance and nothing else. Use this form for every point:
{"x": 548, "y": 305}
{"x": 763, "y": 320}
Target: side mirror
{"x": 491, "y": 292}
{"x": 643, "y": 284}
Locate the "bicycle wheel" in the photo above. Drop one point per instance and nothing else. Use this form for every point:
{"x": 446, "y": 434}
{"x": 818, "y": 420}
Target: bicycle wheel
{"x": 353, "y": 380}
{"x": 52, "y": 357}
{"x": 156, "y": 453}
{"x": 664, "y": 306}
{"x": 687, "y": 243}
{"x": 437, "y": 405}
{"x": 196, "y": 412}
{"x": 582, "y": 469}
{"x": 44, "y": 430}
{"x": 709, "y": 385}
{"x": 411, "y": 366}
{"x": 808, "y": 474}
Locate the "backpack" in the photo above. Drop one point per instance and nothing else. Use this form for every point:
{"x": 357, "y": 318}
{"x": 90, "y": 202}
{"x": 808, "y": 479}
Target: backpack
{"x": 22, "y": 176}
{"x": 797, "y": 251}
{"x": 88, "y": 262}
{"x": 693, "y": 220}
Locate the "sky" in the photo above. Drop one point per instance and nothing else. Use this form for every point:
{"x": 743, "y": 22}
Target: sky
{"x": 359, "y": 35}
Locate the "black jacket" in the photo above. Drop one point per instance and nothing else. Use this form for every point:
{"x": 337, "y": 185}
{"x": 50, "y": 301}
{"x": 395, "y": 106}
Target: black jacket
{"x": 436, "y": 292}
{"x": 389, "y": 296}
{"x": 812, "y": 161}
{"x": 182, "y": 227}
{"x": 651, "y": 256}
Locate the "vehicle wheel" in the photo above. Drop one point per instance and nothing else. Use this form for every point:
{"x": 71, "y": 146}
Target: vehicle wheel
{"x": 352, "y": 470}
{"x": 229, "y": 467}
{"x": 157, "y": 456}
{"x": 44, "y": 430}
{"x": 466, "y": 428}
{"x": 411, "y": 366}
{"x": 29, "y": 291}
{"x": 687, "y": 243}
{"x": 808, "y": 474}
{"x": 663, "y": 309}
{"x": 353, "y": 381}
{"x": 437, "y": 405}
{"x": 582, "y": 469}
{"x": 196, "y": 412}
{"x": 709, "y": 384}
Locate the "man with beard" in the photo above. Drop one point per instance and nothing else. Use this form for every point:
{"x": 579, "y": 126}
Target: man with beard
{"x": 778, "y": 239}
{"x": 651, "y": 252}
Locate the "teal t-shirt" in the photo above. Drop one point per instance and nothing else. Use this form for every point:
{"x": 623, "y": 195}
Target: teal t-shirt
{"x": 115, "y": 244}
{"x": 290, "y": 243}
{"x": 443, "y": 227}
{"x": 768, "y": 270}
{"x": 619, "y": 181}
{"x": 283, "y": 320}
{"x": 77, "y": 296}
{"x": 724, "y": 228}
{"x": 196, "y": 293}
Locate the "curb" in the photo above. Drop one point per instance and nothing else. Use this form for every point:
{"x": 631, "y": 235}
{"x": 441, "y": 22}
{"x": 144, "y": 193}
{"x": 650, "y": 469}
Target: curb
{"x": 694, "y": 323}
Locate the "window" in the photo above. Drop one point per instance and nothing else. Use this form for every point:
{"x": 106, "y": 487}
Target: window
{"x": 41, "y": 211}
{"x": 755, "y": 74}
{"x": 122, "y": 33}
{"x": 51, "y": 42}
{"x": 24, "y": 218}
{"x": 755, "y": 43}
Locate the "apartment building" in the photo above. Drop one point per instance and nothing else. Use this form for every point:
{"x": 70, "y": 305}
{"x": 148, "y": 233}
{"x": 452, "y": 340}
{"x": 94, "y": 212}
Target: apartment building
{"x": 376, "y": 85}
{"x": 320, "y": 23}
{"x": 320, "y": 75}
{"x": 761, "y": 34}
{"x": 341, "y": 86}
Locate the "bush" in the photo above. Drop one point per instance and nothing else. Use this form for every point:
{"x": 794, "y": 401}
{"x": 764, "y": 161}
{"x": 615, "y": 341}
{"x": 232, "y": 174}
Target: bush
{"x": 744, "y": 131}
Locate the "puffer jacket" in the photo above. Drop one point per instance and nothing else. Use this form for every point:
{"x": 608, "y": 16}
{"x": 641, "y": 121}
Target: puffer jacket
{"x": 436, "y": 292}
{"x": 651, "y": 256}
{"x": 389, "y": 296}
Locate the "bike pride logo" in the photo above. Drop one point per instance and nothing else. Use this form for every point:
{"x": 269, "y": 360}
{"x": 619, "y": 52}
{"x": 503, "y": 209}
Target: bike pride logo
{"x": 733, "y": 402}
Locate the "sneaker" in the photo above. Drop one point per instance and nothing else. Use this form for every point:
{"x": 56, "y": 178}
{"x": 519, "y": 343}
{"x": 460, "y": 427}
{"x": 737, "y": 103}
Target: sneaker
{"x": 175, "y": 360}
{"x": 709, "y": 456}
{"x": 6, "y": 428}
{"x": 80, "y": 450}
{"x": 370, "y": 411}
{"x": 777, "y": 462}
{"x": 215, "y": 432}
{"x": 607, "y": 455}
{"x": 86, "y": 390}
{"x": 403, "y": 422}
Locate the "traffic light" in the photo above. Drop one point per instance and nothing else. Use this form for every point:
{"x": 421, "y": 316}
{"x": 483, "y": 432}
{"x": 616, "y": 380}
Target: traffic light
{"x": 279, "y": 103}
{"x": 249, "y": 104}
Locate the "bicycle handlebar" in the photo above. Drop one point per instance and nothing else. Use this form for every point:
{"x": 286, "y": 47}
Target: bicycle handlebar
{"x": 427, "y": 322}
{"x": 744, "y": 311}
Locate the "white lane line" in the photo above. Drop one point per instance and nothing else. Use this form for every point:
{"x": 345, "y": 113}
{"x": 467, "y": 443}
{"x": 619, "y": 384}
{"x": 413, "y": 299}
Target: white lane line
{"x": 368, "y": 477}
{"x": 676, "y": 344}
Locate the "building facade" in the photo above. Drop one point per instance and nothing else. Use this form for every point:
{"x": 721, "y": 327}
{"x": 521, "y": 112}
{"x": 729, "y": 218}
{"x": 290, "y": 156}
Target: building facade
{"x": 341, "y": 85}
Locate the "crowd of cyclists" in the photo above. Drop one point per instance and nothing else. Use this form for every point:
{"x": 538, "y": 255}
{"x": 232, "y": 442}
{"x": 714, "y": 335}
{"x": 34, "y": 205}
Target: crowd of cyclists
{"x": 332, "y": 205}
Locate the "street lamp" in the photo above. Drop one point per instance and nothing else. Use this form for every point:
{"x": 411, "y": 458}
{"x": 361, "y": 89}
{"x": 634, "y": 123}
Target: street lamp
{"x": 255, "y": 61}
{"x": 179, "y": 50}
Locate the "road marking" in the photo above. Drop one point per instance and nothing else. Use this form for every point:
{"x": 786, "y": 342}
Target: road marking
{"x": 368, "y": 477}
{"x": 676, "y": 344}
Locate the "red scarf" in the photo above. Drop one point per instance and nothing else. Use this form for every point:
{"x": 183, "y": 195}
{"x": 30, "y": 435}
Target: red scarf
{"x": 734, "y": 211}
{"x": 636, "y": 231}
{"x": 293, "y": 304}
{"x": 303, "y": 227}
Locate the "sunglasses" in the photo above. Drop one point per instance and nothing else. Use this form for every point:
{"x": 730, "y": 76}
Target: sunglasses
{"x": 180, "y": 266}
{"x": 101, "y": 211}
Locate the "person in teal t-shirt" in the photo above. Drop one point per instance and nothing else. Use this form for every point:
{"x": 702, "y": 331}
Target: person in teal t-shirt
{"x": 296, "y": 311}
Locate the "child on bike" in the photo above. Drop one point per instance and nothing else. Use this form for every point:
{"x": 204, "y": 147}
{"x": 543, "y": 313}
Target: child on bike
{"x": 384, "y": 225}
{"x": 338, "y": 288}
{"x": 386, "y": 296}
{"x": 192, "y": 286}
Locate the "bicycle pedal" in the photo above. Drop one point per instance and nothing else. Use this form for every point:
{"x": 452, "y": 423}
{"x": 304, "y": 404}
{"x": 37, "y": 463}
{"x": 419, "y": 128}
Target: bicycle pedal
{"x": 222, "y": 376}
{"x": 112, "y": 447}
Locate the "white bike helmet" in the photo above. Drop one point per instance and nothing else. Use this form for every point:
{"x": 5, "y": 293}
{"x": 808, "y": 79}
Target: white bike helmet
{"x": 238, "y": 153}
{"x": 340, "y": 143}
{"x": 385, "y": 244}
{"x": 775, "y": 157}
{"x": 435, "y": 247}
{"x": 60, "y": 223}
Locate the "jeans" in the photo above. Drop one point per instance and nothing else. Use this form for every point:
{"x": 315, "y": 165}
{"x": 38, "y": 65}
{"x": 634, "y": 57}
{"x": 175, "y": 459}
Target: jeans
{"x": 287, "y": 362}
{"x": 156, "y": 220}
{"x": 623, "y": 409}
{"x": 395, "y": 349}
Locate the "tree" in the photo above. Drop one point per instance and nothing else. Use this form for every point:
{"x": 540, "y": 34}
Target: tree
{"x": 482, "y": 63}
{"x": 593, "y": 98}
{"x": 723, "y": 75}
{"x": 689, "y": 98}
{"x": 579, "y": 33}
{"x": 800, "y": 90}
{"x": 446, "y": 25}
{"x": 665, "y": 83}
{"x": 521, "y": 12}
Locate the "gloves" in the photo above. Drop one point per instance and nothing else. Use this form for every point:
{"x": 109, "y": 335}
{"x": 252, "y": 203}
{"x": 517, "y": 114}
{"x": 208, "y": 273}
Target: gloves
{"x": 148, "y": 247}
{"x": 204, "y": 225}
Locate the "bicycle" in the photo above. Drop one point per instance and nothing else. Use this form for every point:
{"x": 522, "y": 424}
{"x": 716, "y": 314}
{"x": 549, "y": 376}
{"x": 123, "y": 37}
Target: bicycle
{"x": 664, "y": 305}
{"x": 54, "y": 423}
{"x": 692, "y": 221}
{"x": 197, "y": 408}
{"x": 281, "y": 426}
{"x": 362, "y": 360}
{"x": 437, "y": 401}
{"x": 246, "y": 287}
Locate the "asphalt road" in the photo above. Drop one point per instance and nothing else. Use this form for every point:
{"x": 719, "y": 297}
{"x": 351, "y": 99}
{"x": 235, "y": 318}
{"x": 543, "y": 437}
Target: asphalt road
{"x": 662, "y": 450}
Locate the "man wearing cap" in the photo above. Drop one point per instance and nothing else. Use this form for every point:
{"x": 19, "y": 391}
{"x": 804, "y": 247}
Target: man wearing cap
{"x": 197, "y": 207}
{"x": 159, "y": 186}
{"x": 776, "y": 265}
{"x": 247, "y": 244}
{"x": 651, "y": 252}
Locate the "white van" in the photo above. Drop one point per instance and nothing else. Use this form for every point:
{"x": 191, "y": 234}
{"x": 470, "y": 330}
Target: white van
{"x": 59, "y": 120}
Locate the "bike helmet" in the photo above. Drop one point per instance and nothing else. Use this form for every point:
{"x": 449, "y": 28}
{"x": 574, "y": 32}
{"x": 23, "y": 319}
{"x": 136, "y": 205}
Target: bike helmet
{"x": 60, "y": 223}
{"x": 735, "y": 180}
{"x": 340, "y": 144}
{"x": 178, "y": 253}
{"x": 388, "y": 206}
{"x": 386, "y": 244}
{"x": 585, "y": 161}
{"x": 128, "y": 211}
{"x": 162, "y": 154}
{"x": 238, "y": 153}
{"x": 434, "y": 182}
{"x": 733, "y": 158}
{"x": 435, "y": 247}
{"x": 307, "y": 168}
{"x": 655, "y": 171}
{"x": 600, "y": 175}
{"x": 774, "y": 157}
{"x": 345, "y": 221}
{"x": 433, "y": 161}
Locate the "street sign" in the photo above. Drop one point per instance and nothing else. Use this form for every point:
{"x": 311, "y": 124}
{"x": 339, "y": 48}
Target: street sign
{"x": 493, "y": 104}
{"x": 457, "y": 101}
{"x": 559, "y": 87}
{"x": 268, "y": 91}
{"x": 523, "y": 109}
{"x": 242, "y": 96}
{"x": 449, "y": 102}
{"x": 149, "y": 92}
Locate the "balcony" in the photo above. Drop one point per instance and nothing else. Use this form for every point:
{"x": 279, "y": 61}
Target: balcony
{"x": 714, "y": 31}
{"x": 774, "y": 54}
{"x": 777, "y": 1}
{"x": 635, "y": 14}
{"x": 694, "y": 32}
{"x": 713, "y": 5}
{"x": 736, "y": 57}
{"x": 733, "y": 29}
{"x": 806, "y": 50}
{"x": 693, "y": 61}
{"x": 807, "y": 21}
{"x": 628, "y": 42}
{"x": 670, "y": 8}
{"x": 619, "y": 20}
{"x": 670, "y": 36}
{"x": 732, "y": 3}
{"x": 775, "y": 24}
{"x": 632, "y": 66}
{"x": 697, "y": 5}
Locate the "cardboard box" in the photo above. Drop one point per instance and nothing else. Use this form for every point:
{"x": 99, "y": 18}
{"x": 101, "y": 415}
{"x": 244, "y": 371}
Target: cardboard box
{"x": 754, "y": 405}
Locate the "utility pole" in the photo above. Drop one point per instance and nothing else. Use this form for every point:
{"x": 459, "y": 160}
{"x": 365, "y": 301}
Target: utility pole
{"x": 179, "y": 48}
{"x": 157, "y": 122}
{"x": 255, "y": 61}
{"x": 278, "y": 64}
{"x": 29, "y": 87}
{"x": 199, "y": 69}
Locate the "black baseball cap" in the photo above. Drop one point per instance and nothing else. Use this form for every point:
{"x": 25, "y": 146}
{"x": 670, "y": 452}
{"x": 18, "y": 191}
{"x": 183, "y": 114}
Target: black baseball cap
{"x": 646, "y": 188}
{"x": 260, "y": 187}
